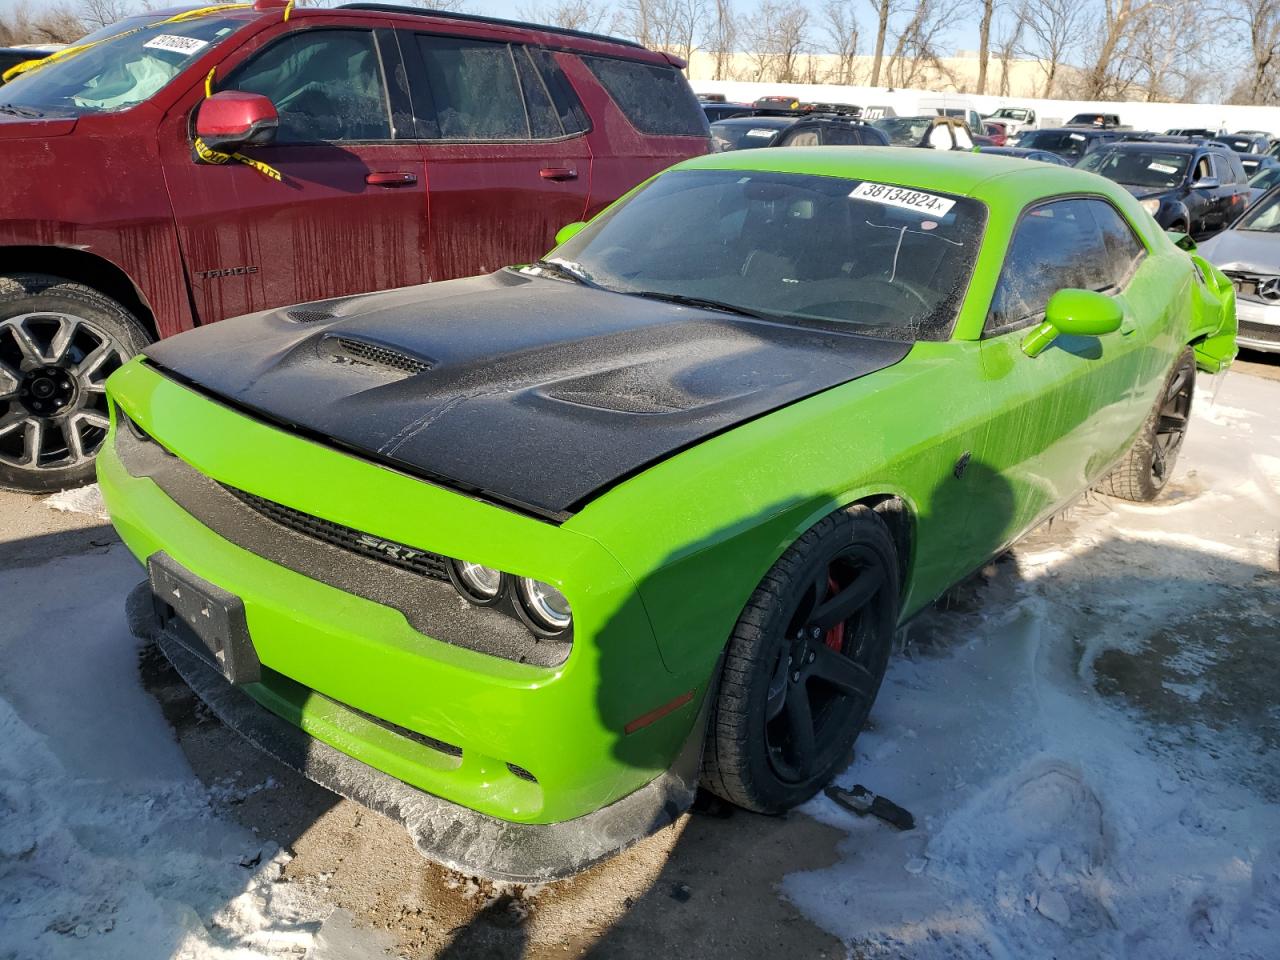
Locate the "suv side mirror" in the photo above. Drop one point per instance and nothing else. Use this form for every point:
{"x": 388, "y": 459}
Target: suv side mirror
{"x": 568, "y": 231}
{"x": 231, "y": 119}
{"x": 1080, "y": 313}
{"x": 1207, "y": 183}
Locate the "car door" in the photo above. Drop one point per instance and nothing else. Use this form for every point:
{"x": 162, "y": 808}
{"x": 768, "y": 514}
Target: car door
{"x": 349, "y": 213}
{"x": 506, "y": 168}
{"x": 1064, "y": 416}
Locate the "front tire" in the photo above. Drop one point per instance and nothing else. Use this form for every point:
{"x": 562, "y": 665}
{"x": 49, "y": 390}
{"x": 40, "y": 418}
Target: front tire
{"x": 59, "y": 341}
{"x": 1148, "y": 464}
{"x": 803, "y": 664}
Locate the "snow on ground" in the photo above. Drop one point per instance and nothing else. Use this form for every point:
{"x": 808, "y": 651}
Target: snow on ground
{"x": 109, "y": 846}
{"x": 1090, "y": 741}
{"x": 87, "y": 500}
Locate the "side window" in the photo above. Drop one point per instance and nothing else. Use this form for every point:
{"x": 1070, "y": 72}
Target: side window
{"x": 474, "y": 89}
{"x": 1123, "y": 250}
{"x": 801, "y": 138}
{"x": 841, "y": 136}
{"x": 573, "y": 116}
{"x": 1056, "y": 245}
{"x": 327, "y": 86}
{"x": 544, "y": 120}
{"x": 1204, "y": 168}
{"x": 656, "y": 99}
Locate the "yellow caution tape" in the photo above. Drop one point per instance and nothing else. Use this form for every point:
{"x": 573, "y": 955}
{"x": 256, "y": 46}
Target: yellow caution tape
{"x": 288, "y": 9}
{"x": 65, "y": 52}
{"x": 210, "y": 155}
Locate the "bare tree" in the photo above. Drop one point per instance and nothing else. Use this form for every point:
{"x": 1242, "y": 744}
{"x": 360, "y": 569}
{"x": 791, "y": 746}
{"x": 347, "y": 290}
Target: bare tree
{"x": 984, "y": 41}
{"x": 776, "y": 35}
{"x": 1052, "y": 30}
{"x": 54, "y": 24}
{"x": 671, "y": 25}
{"x": 1008, "y": 40}
{"x": 453, "y": 6}
{"x": 570, "y": 14}
{"x": 1111, "y": 71}
{"x": 721, "y": 38}
{"x": 102, "y": 13}
{"x": 841, "y": 28}
{"x": 915, "y": 49}
{"x": 1260, "y": 20}
{"x": 884, "y": 10}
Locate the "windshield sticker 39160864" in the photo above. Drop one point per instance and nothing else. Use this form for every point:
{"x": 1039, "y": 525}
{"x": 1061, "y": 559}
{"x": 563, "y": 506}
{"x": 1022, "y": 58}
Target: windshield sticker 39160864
{"x": 174, "y": 44}
{"x": 915, "y": 200}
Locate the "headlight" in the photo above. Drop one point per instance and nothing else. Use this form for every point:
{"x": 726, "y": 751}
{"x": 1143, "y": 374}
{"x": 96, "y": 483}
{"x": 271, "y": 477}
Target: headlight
{"x": 480, "y": 583}
{"x": 1151, "y": 206}
{"x": 545, "y": 605}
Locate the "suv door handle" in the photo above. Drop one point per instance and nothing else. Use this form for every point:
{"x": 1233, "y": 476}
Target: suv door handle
{"x": 391, "y": 179}
{"x": 558, "y": 173}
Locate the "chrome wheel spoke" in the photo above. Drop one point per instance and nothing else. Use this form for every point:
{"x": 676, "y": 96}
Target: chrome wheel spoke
{"x": 71, "y": 434}
{"x": 31, "y": 352}
{"x": 9, "y": 381}
{"x": 33, "y": 442}
{"x": 93, "y": 360}
{"x": 60, "y": 342}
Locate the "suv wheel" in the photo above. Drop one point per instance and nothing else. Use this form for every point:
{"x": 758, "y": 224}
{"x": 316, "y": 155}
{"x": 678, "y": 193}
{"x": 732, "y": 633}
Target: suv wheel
{"x": 59, "y": 341}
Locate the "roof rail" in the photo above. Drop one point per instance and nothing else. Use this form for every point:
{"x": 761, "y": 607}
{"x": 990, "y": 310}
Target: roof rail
{"x": 477, "y": 18}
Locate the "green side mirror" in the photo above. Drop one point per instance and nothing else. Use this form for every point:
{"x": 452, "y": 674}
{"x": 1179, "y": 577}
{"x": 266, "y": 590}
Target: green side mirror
{"x": 1080, "y": 313}
{"x": 568, "y": 231}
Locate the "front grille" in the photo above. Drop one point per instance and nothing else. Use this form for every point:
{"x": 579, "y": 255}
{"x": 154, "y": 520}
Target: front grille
{"x": 371, "y": 353}
{"x": 1265, "y": 332}
{"x": 1255, "y": 287}
{"x": 399, "y": 555}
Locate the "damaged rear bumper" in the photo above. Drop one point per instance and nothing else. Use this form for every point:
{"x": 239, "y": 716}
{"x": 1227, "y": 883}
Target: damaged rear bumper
{"x": 448, "y": 833}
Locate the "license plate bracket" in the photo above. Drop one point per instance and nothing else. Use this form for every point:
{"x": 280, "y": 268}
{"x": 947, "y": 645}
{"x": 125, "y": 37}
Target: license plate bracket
{"x": 204, "y": 618}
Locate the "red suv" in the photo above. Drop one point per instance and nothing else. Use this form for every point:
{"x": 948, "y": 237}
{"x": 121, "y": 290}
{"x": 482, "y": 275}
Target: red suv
{"x": 182, "y": 167}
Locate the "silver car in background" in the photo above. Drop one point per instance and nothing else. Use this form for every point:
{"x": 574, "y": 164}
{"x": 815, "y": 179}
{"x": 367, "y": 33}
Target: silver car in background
{"x": 1249, "y": 253}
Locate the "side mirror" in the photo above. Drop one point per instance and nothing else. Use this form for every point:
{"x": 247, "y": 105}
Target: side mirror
{"x": 568, "y": 231}
{"x": 1207, "y": 183}
{"x": 231, "y": 119}
{"x": 1080, "y": 313}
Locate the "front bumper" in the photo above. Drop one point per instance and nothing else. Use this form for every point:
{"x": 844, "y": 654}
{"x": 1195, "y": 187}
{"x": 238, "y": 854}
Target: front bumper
{"x": 517, "y": 742}
{"x": 1259, "y": 325}
{"x": 447, "y": 833}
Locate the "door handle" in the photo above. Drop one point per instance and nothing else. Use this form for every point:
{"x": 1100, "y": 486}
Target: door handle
{"x": 558, "y": 173}
{"x": 391, "y": 179}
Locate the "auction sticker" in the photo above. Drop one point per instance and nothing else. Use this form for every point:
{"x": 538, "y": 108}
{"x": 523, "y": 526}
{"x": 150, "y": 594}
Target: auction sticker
{"x": 174, "y": 44}
{"x": 761, "y": 132}
{"x": 902, "y": 197}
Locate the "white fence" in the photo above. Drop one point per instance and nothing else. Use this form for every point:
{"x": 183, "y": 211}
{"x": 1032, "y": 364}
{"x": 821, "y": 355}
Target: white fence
{"x": 1140, "y": 116}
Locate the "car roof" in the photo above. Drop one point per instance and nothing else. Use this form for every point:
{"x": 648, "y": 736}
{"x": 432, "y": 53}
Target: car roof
{"x": 1164, "y": 146}
{"x": 993, "y": 179}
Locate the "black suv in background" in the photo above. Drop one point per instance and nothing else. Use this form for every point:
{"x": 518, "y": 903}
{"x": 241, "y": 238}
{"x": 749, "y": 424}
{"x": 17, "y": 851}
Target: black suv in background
{"x": 1195, "y": 188}
{"x": 1071, "y": 143}
{"x": 746, "y": 133}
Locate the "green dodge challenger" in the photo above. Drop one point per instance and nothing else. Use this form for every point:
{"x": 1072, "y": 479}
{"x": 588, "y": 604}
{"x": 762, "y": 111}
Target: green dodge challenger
{"x": 522, "y": 560}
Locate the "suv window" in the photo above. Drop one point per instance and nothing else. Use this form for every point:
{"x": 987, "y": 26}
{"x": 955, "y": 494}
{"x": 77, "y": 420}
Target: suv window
{"x": 573, "y": 116}
{"x": 657, "y": 100}
{"x": 1078, "y": 243}
{"x": 326, "y": 85}
{"x": 474, "y": 89}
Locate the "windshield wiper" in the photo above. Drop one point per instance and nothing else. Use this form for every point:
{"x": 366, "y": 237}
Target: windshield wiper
{"x": 687, "y": 301}
{"x": 21, "y": 111}
{"x": 566, "y": 270}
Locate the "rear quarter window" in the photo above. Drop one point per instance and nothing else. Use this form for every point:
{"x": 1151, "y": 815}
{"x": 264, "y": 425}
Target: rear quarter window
{"x": 655, "y": 99}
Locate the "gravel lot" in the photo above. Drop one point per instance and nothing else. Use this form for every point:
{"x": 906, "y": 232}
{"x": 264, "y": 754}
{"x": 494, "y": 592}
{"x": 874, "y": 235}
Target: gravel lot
{"x": 1099, "y": 609}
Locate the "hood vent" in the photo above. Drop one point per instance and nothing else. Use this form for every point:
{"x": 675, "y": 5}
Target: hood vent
{"x": 317, "y": 312}
{"x": 367, "y": 354}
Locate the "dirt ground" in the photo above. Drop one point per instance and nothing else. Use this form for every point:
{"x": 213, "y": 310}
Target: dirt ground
{"x": 706, "y": 887}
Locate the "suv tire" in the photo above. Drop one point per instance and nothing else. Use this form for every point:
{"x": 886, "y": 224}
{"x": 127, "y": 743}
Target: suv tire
{"x": 59, "y": 341}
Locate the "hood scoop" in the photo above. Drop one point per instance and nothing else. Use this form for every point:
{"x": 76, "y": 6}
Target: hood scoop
{"x": 367, "y": 353}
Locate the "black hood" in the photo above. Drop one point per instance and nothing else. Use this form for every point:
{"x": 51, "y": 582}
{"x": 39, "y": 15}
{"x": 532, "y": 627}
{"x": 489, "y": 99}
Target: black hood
{"x": 1144, "y": 193}
{"x": 533, "y": 392}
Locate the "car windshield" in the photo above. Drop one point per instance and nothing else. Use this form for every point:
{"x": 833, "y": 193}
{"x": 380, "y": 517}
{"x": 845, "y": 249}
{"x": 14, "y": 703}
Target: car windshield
{"x": 904, "y": 131}
{"x": 1010, "y": 113}
{"x": 1139, "y": 168}
{"x": 1264, "y": 217}
{"x": 888, "y": 261}
{"x": 1265, "y": 179}
{"x": 1066, "y": 142}
{"x": 131, "y": 62}
{"x": 1238, "y": 144}
{"x": 744, "y": 136}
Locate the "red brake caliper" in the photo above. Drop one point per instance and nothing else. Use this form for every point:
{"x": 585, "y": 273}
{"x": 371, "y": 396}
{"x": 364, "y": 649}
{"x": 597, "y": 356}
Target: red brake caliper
{"x": 835, "y": 636}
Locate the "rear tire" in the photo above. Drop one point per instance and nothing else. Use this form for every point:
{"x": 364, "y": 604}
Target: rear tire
{"x": 803, "y": 664}
{"x": 1148, "y": 464}
{"x": 59, "y": 341}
